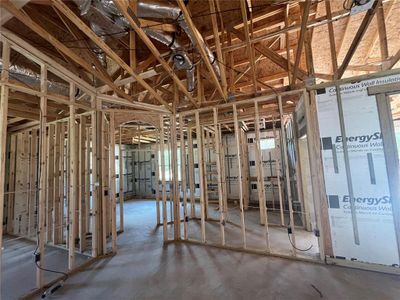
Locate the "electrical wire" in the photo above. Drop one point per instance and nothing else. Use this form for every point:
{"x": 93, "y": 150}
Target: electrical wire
{"x": 348, "y": 4}
{"x": 303, "y": 250}
{"x": 144, "y": 48}
{"x": 52, "y": 271}
{"x": 35, "y": 253}
{"x": 244, "y": 73}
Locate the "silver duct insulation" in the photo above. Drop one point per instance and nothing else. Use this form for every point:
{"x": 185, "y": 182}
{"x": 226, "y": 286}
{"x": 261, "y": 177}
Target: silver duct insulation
{"x": 210, "y": 55}
{"x": 179, "y": 55}
{"x": 32, "y": 80}
{"x": 105, "y": 18}
{"x": 164, "y": 10}
{"x": 168, "y": 11}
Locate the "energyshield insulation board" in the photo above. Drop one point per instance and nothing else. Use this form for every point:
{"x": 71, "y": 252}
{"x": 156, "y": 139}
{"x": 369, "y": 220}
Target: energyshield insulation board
{"x": 372, "y": 201}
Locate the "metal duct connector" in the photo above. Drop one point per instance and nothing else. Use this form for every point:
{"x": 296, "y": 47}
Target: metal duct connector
{"x": 190, "y": 79}
{"x": 179, "y": 55}
{"x": 105, "y": 18}
{"x": 167, "y": 10}
{"x": 210, "y": 55}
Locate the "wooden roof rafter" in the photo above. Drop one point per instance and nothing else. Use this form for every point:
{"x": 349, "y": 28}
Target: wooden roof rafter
{"x": 300, "y": 43}
{"x": 272, "y": 55}
{"x": 109, "y": 52}
{"x": 124, "y": 9}
{"x": 358, "y": 37}
{"x": 213, "y": 4}
{"x": 58, "y": 45}
{"x": 246, "y": 29}
{"x": 203, "y": 53}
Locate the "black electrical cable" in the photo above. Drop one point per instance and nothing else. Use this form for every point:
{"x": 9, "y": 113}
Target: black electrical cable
{"x": 303, "y": 250}
{"x": 244, "y": 73}
{"x": 35, "y": 253}
{"x": 175, "y": 21}
{"x": 290, "y": 240}
{"x": 348, "y": 4}
{"x": 52, "y": 271}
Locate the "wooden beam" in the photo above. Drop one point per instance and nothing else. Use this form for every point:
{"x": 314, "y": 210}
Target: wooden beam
{"x": 132, "y": 49}
{"x": 128, "y": 14}
{"x": 157, "y": 25}
{"x": 287, "y": 42}
{"x": 358, "y": 37}
{"x": 112, "y": 184}
{"x": 243, "y": 73}
{"x": 58, "y": 45}
{"x": 72, "y": 180}
{"x": 174, "y": 190}
{"x": 221, "y": 206}
{"x": 250, "y": 49}
{"x": 332, "y": 43}
{"x": 260, "y": 178}
{"x": 303, "y": 29}
{"x": 198, "y": 40}
{"x": 377, "y": 35}
{"x": 42, "y": 177}
{"x": 382, "y": 32}
{"x": 14, "y": 120}
{"x": 220, "y": 57}
{"x": 96, "y": 196}
{"x": 56, "y": 191}
{"x": 240, "y": 175}
{"x": 391, "y": 155}
{"x": 272, "y": 55}
{"x": 82, "y": 183}
{"x": 121, "y": 182}
{"x": 191, "y": 173}
{"x": 50, "y": 183}
{"x": 394, "y": 60}
{"x": 287, "y": 175}
{"x": 61, "y": 6}
{"x": 3, "y": 132}
{"x": 199, "y": 140}
{"x": 183, "y": 178}
{"x": 82, "y": 43}
{"x": 337, "y": 15}
{"x": 163, "y": 180}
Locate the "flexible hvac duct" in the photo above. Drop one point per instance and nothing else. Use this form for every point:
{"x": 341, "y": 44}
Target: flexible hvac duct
{"x": 114, "y": 23}
{"x": 32, "y": 79}
{"x": 165, "y": 10}
{"x": 179, "y": 55}
{"x": 210, "y": 55}
{"x": 150, "y": 9}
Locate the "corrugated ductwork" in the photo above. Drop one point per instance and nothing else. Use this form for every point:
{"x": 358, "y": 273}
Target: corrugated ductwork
{"x": 157, "y": 10}
{"x": 211, "y": 56}
{"x": 32, "y": 79}
{"x": 105, "y": 18}
{"x": 179, "y": 55}
{"x": 169, "y": 11}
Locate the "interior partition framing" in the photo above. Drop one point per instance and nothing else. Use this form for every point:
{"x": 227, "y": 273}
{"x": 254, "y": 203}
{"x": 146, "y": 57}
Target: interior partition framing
{"x": 65, "y": 146}
{"x": 209, "y": 121}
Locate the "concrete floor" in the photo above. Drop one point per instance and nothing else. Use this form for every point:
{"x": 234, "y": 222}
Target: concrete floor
{"x": 18, "y": 275}
{"x": 255, "y": 233}
{"x": 145, "y": 269}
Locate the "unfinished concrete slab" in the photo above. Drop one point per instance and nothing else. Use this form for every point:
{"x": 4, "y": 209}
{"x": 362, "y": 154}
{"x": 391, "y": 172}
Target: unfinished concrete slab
{"x": 145, "y": 269}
